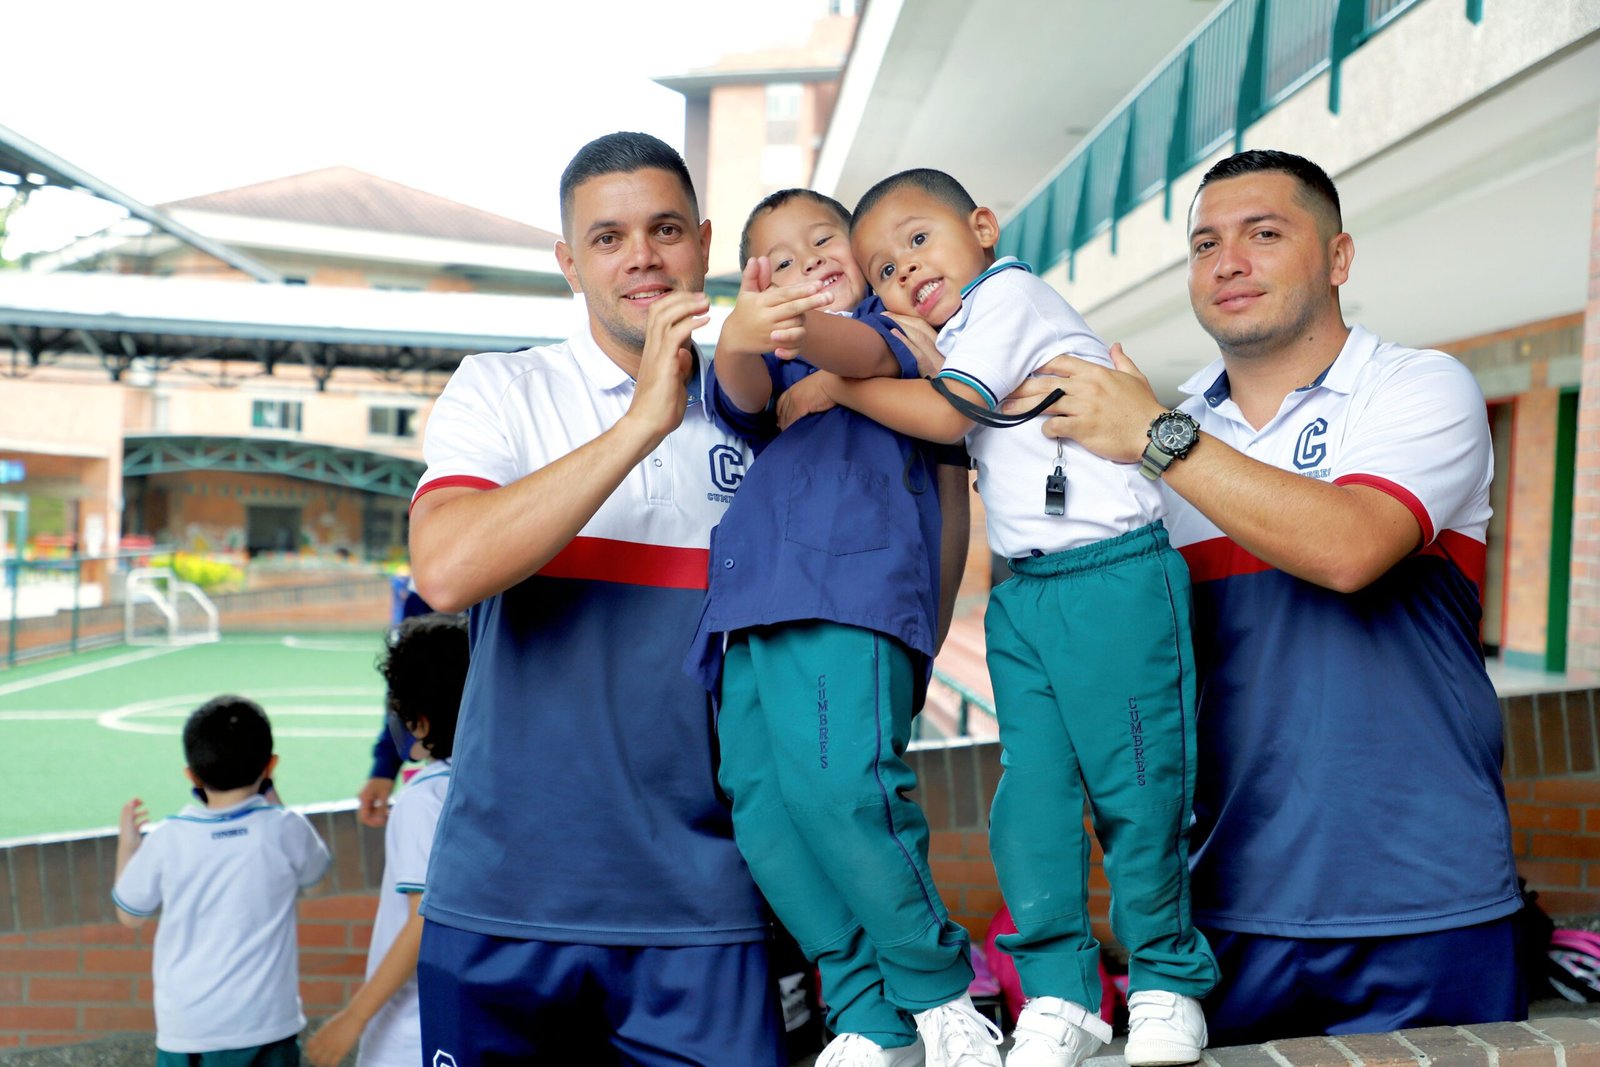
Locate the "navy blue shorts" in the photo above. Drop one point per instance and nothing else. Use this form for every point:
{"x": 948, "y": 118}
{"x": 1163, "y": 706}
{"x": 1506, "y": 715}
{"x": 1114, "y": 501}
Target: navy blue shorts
{"x": 499, "y": 1000}
{"x": 1275, "y": 987}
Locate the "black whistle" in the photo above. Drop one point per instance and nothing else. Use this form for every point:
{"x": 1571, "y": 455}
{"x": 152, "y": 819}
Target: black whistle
{"x": 1055, "y": 493}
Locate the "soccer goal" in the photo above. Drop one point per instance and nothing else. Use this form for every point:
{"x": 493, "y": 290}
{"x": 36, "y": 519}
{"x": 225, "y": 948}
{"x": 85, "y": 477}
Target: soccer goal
{"x": 162, "y": 609}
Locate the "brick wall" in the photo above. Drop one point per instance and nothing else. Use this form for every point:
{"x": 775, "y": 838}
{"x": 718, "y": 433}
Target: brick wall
{"x": 1583, "y": 620}
{"x": 357, "y": 601}
{"x": 1553, "y": 788}
{"x": 70, "y": 972}
{"x": 1529, "y": 365}
{"x": 1527, "y": 557}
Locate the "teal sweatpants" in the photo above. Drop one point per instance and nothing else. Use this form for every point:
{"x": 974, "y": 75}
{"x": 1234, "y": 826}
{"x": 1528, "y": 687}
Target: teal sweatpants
{"x": 1089, "y": 652}
{"x": 813, "y": 722}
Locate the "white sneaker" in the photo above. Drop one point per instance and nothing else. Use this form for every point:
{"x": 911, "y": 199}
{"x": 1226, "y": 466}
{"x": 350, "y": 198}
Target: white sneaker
{"x": 1164, "y": 1028}
{"x": 1052, "y": 1032}
{"x": 958, "y": 1035}
{"x": 854, "y": 1050}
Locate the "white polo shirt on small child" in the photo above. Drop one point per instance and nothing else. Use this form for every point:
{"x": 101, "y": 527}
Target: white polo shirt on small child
{"x": 227, "y": 971}
{"x": 1009, "y": 325}
{"x": 393, "y": 1038}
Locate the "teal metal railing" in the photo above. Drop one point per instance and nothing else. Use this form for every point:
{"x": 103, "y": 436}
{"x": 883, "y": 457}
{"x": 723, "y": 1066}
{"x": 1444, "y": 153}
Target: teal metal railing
{"x": 1248, "y": 57}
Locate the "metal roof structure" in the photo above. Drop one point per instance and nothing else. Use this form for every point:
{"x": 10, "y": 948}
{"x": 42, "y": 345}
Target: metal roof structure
{"x": 130, "y": 320}
{"x": 29, "y": 166}
{"x": 121, "y": 319}
{"x": 348, "y": 468}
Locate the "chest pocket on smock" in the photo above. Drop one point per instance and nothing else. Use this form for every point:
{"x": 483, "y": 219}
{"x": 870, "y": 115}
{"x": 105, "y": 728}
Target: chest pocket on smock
{"x": 840, "y": 508}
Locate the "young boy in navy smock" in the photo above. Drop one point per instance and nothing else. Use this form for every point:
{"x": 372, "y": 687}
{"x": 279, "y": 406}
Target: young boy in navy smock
{"x": 426, "y": 669}
{"x": 821, "y": 621}
{"x": 224, "y": 874}
{"x": 1088, "y": 642}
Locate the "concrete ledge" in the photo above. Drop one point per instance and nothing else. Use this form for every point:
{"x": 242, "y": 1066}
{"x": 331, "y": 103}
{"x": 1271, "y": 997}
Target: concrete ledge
{"x": 1554, "y": 1041}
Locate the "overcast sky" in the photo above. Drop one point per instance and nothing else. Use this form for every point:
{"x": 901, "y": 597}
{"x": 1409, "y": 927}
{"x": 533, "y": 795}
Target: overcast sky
{"x": 480, "y": 101}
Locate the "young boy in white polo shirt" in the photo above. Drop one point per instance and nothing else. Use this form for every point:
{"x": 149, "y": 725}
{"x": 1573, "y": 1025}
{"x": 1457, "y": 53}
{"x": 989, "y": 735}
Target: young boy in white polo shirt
{"x": 224, "y": 873}
{"x": 426, "y": 670}
{"x": 1088, "y": 642}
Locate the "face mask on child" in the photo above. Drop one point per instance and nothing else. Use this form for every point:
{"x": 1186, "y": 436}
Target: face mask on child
{"x": 400, "y": 736}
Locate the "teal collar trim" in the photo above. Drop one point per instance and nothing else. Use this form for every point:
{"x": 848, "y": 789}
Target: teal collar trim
{"x": 999, "y": 265}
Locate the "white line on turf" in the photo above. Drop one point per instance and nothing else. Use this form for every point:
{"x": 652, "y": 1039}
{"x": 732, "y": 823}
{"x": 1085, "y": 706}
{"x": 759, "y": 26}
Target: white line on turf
{"x": 78, "y": 672}
{"x": 46, "y": 716}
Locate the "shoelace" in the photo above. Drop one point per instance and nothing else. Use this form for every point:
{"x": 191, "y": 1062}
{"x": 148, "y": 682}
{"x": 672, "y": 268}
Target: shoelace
{"x": 958, "y": 1032}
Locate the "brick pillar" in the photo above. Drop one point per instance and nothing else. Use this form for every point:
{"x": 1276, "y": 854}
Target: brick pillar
{"x": 1583, "y": 621}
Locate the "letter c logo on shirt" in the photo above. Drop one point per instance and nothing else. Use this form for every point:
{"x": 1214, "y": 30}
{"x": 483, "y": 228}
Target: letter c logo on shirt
{"x": 442, "y": 1058}
{"x": 1311, "y": 449}
{"x": 727, "y": 467}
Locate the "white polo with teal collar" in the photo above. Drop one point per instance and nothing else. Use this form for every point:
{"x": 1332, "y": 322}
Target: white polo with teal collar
{"x": 227, "y": 972}
{"x": 1011, "y": 324}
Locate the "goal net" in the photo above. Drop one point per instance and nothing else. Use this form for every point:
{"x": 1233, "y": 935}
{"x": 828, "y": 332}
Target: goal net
{"x": 162, "y": 609}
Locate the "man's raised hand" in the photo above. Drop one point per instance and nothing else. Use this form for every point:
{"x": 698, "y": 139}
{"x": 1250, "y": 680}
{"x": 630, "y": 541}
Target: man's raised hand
{"x": 660, "y": 393}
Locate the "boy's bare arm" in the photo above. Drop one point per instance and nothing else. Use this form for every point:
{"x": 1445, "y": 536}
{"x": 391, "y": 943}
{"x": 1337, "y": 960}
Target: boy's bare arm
{"x": 847, "y": 347}
{"x": 905, "y": 405}
{"x": 340, "y": 1033}
{"x": 954, "y": 537}
{"x": 129, "y": 838}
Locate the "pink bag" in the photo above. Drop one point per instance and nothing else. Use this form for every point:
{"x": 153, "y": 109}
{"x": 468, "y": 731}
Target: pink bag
{"x": 1112, "y": 995}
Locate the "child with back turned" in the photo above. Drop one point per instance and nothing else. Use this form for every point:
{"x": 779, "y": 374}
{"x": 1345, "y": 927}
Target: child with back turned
{"x": 224, "y": 873}
{"x": 1088, "y": 643}
{"x": 425, "y": 668}
{"x": 822, "y": 617}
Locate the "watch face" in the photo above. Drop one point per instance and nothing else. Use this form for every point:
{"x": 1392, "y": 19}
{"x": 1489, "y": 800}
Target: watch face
{"x": 1173, "y": 434}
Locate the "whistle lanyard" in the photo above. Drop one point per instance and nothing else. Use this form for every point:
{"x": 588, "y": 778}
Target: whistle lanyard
{"x": 1055, "y": 484}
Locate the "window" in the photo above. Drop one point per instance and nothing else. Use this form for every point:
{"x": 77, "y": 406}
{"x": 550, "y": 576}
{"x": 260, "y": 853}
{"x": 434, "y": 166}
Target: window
{"x": 783, "y": 112}
{"x": 392, "y": 422}
{"x": 275, "y": 415}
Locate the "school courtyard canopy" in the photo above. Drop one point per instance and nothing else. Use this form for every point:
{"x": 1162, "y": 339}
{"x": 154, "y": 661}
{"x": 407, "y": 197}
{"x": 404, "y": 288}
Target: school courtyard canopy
{"x": 132, "y": 322}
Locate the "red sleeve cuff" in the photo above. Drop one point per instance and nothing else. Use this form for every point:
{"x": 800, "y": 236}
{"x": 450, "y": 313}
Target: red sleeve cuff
{"x": 463, "y": 481}
{"x": 1400, "y": 493}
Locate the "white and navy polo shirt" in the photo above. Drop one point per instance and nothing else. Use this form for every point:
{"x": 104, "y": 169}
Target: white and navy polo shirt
{"x": 1009, "y": 325}
{"x": 1350, "y": 744}
{"x": 583, "y": 806}
{"x": 226, "y": 966}
{"x": 394, "y": 1036}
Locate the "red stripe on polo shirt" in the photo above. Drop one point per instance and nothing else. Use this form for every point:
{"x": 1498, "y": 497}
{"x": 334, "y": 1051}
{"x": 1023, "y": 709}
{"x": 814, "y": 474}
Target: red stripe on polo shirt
{"x": 1405, "y": 496}
{"x": 1220, "y": 558}
{"x": 462, "y": 481}
{"x": 1471, "y": 557}
{"x": 630, "y": 563}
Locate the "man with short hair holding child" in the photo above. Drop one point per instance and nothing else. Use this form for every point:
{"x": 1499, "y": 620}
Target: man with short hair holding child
{"x": 224, "y": 873}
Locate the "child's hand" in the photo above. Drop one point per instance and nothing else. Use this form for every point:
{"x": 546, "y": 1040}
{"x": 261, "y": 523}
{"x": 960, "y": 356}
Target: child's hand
{"x": 328, "y": 1046}
{"x": 134, "y": 817}
{"x": 922, "y": 339}
{"x": 806, "y": 397}
{"x": 763, "y": 311}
